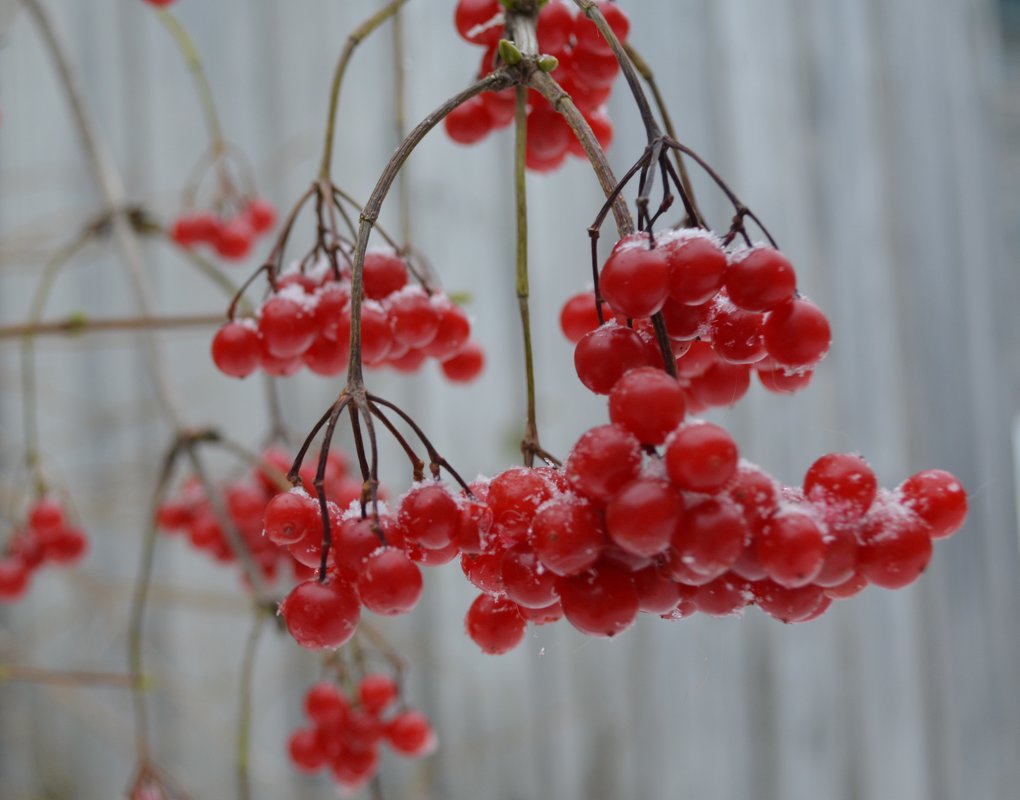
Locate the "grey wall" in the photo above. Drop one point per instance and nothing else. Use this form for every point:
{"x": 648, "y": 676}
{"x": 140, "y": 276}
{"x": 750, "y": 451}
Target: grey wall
{"x": 869, "y": 135}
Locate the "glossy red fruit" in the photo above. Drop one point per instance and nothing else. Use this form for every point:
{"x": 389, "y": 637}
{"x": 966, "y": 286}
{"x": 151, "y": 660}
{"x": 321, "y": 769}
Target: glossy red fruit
{"x": 567, "y": 535}
{"x": 429, "y": 515}
{"x": 494, "y": 624}
{"x": 548, "y": 133}
{"x": 513, "y": 497}
{"x": 604, "y": 355}
{"x": 479, "y": 21}
{"x": 727, "y": 595}
{"x": 588, "y": 36}
{"x": 413, "y": 317}
{"x": 937, "y": 497}
{"x": 760, "y": 279}
{"x": 601, "y": 601}
{"x": 304, "y": 750}
{"x": 709, "y": 538}
{"x": 647, "y": 402}
{"x": 602, "y": 461}
{"x": 737, "y": 335}
{"x": 634, "y": 280}
{"x": 781, "y": 381}
{"x": 791, "y": 548}
{"x": 469, "y": 123}
{"x": 722, "y": 384}
{"x": 696, "y": 266}
{"x": 377, "y": 692}
{"x": 389, "y": 583}
{"x": 261, "y": 215}
{"x": 385, "y": 273}
{"x": 452, "y": 333}
{"x": 701, "y": 457}
{"x": 785, "y": 604}
{"x": 286, "y": 326}
{"x": 657, "y": 593}
{"x": 467, "y": 365}
{"x": 410, "y": 734}
{"x": 14, "y": 576}
{"x": 234, "y": 239}
{"x": 235, "y": 349}
{"x": 843, "y": 481}
{"x": 578, "y": 315}
{"x": 321, "y": 615}
{"x": 797, "y": 333}
{"x": 46, "y": 514}
{"x": 526, "y": 580}
{"x": 291, "y": 517}
{"x": 642, "y": 516}
{"x": 325, "y": 705}
{"x": 555, "y": 26}
{"x": 895, "y": 546}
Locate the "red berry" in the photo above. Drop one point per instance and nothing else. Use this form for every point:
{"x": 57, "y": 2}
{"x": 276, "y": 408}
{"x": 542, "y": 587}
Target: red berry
{"x": 603, "y": 460}
{"x": 588, "y": 36}
{"x": 304, "y": 750}
{"x": 384, "y": 273}
{"x": 494, "y": 624}
{"x": 291, "y": 517}
{"x": 855, "y": 584}
{"x": 726, "y": 595}
{"x": 760, "y": 279}
{"x": 321, "y": 615}
{"x": 604, "y": 355}
{"x": 791, "y": 548}
{"x": 709, "y": 538}
{"x": 634, "y": 280}
{"x": 469, "y": 122}
{"x": 701, "y": 457}
{"x": 842, "y": 481}
{"x": 737, "y": 335}
{"x": 548, "y": 134}
{"x": 696, "y": 266}
{"x": 234, "y": 239}
{"x": 647, "y": 402}
{"x": 429, "y": 515}
{"x": 65, "y": 545}
{"x": 595, "y": 70}
{"x": 413, "y": 317}
{"x": 485, "y": 570}
{"x": 389, "y": 583}
{"x": 410, "y": 734}
{"x": 754, "y": 492}
{"x": 235, "y": 349}
{"x": 46, "y": 514}
{"x": 722, "y": 384}
{"x": 261, "y": 215}
{"x": 578, "y": 316}
{"x": 452, "y": 333}
{"x": 377, "y": 692}
{"x": 287, "y": 326}
{"x": 14, "y": 575}
{"x": 895, "y": 546}
{"x": 526, "y": 580}
{"x": 514, "y": 496}
{"x": 479, "y": 21}
{"x": 555, "y": 25}
{"x": 938, "y": 498}
{"x": 567, "y": 535}
{"x": 325, "y": 705}
{"x": 657, "y": 593}
{"x": 781, "y": 381}
{"x": 467, "y": 365}
{"x": 600, "y": 602}
{"x": 684, "y": 322}
{"x": 797, "y": 333}
{"x": 785, "y": 604}
{"x": 642, "y": 515}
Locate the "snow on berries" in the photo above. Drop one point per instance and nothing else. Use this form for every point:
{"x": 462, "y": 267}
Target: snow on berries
{"x": 305, "y": 323}
{"x": 587, "y": 70}
{"x": 345, "y": 733}
{"x": 46, "y": 537}
{"x": 727, "y": 312}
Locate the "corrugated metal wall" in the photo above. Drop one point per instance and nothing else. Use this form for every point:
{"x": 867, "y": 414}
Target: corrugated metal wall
{"x": 864, "y": 133}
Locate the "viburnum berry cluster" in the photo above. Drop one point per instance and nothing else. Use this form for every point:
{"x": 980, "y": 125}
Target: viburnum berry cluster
{"x": 47, "y": 537}
{"x": 585, "y": 67}
{"x": 726, "y": 312}
{"x": 230, "y": 230}
{"x": 306, "y": 322}
{"x": 255, "y": 504}
{"x": 345, "y": 733}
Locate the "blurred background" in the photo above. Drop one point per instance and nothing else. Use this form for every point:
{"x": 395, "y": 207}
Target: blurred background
{"x": 878, "y": 139}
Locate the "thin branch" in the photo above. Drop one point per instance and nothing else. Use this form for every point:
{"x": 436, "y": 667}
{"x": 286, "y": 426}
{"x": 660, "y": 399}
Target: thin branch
{"x": 79, "y": 323}
{"x": 13, "y": 673}
{"x": 245, "y": 708}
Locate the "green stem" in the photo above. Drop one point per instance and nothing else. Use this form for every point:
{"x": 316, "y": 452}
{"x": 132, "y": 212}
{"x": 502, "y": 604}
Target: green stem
{"x": 364, "y": 30}
{"x": 29, "y": 393}
{"x": 201, "y": 81}
{"x": 530, "y": 441}
{"x": 245, "y": 710}
{"x": 399, "y": 121}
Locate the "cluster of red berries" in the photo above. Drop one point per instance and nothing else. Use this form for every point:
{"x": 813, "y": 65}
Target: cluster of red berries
{"x": 246, "y": 500}
{"x": 47, "y": 537}
{"x": 373, "y": 561}
{"x": 587, "y": 69}
{"x": 726, "y": 313}
{"x": 306, "y": 322}
{"x": 231, "y": 237}
{"x": 620, "y": 531}
{"x": 345, "y": 734}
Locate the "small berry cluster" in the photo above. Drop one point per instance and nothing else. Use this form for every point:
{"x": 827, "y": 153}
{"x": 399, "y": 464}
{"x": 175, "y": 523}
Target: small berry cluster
{"x": 726, "y": 313}
{"x": 373, "y": 560}
{"x": 229, "y": 236}
{"x": 345, "y": 734}
{"x": 306, "y": 322}
{"x": 47, "y": 537}
{"x": 587, "y": 69}
{"x": 247, "y": 500}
